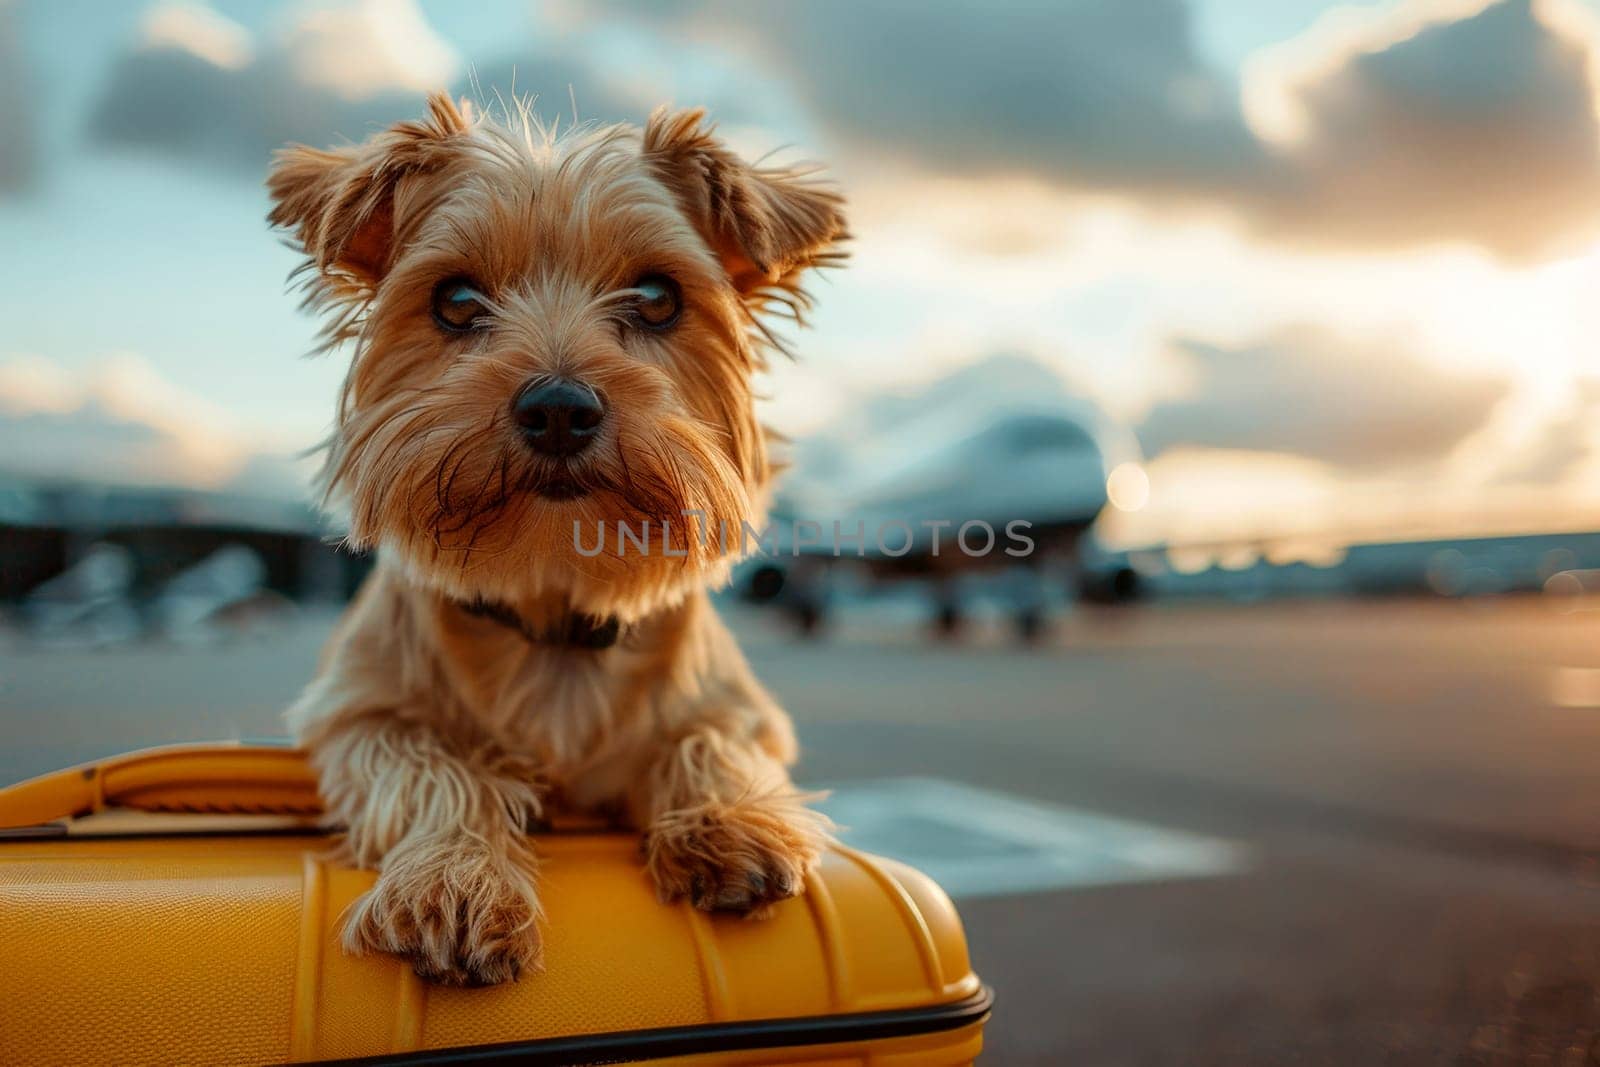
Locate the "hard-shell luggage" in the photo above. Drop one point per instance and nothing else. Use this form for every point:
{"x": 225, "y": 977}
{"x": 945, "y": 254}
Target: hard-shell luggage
{"x": 179, "y": 905}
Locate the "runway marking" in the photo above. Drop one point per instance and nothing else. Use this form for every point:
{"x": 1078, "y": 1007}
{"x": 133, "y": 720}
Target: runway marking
{"x": 1575, "y": 687}
{"x": 979, "y": 843}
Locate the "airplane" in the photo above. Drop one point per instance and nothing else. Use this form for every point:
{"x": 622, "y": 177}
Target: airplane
{"x": 985, "y": 482}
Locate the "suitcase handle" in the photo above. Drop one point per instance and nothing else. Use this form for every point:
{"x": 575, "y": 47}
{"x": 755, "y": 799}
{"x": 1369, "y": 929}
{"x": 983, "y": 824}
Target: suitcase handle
{"x": 230, "y": 778}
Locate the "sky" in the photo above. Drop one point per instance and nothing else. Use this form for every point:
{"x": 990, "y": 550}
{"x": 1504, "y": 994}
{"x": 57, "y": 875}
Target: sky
{"x": 1336, "y": 266}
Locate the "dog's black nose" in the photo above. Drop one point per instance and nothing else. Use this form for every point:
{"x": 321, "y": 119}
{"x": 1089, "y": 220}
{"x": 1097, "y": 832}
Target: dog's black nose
{"x": 558, "y": 417}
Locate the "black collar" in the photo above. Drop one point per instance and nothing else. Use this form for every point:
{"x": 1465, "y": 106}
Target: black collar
{"x": 570, "y": 630}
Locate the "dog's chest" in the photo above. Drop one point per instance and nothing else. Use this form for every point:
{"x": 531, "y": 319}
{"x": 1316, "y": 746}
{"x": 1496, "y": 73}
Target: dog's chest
{"x": 559, "y": 706}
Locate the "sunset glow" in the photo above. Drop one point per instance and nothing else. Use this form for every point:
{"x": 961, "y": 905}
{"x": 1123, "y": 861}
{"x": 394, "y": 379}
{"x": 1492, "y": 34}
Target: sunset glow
{"x": 1285, "y": 224}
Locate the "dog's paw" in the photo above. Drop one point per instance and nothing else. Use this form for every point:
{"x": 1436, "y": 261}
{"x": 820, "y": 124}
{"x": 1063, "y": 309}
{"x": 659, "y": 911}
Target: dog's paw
{"x": 460, "y": 913}
{"x": 740, "y": 858}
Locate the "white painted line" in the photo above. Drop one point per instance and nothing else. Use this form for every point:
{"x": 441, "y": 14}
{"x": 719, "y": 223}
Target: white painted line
{"x": 1575, "y": 687}
{"x": 978, "y": 843}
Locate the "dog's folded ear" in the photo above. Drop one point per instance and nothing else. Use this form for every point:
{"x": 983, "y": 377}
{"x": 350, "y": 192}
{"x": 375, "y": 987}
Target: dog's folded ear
{"x": 340, "y": 203}
{"x": 766, "y": 223}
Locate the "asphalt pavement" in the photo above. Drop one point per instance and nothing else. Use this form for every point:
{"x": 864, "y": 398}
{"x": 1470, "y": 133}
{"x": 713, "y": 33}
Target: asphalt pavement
{"x": 1412, "y": 792}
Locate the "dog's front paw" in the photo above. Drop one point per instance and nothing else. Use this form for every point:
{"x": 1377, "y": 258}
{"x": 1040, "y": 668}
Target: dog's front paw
{"x": 462, "y": 913}
{"x": 740, "y": 858}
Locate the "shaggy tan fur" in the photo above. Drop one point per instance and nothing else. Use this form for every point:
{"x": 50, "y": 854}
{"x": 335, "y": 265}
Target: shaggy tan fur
{"x": 440, "y": 734}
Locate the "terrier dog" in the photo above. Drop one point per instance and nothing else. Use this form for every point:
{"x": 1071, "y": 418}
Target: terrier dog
{"x": 550, "y": 333}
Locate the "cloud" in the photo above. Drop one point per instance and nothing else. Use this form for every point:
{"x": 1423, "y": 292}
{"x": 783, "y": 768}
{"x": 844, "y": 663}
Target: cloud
{"x": 1563, "y": 446}
{"x": 1434, "y": 122}
{"x": 198, "y": 86}
{"x": 1201, "y": 495}
{"x": 119, "y": 422}
{"x": 1097, "y": 93}
{"x": 556, "y": 81}
{"x": 17, "y": 146}
{"x": 1358, "y": 404}
{"x": 1423, "y": 122}
{"x": 1430, "y": 121}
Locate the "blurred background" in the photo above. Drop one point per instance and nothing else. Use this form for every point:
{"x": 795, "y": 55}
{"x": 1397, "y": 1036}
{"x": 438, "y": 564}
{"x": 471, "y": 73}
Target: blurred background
{"x": 1276, "y": 320}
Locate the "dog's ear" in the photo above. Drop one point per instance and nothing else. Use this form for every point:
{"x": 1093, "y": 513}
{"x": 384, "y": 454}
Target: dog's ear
{"x": 766, "y": 224}
{"x": 340, "y": 202}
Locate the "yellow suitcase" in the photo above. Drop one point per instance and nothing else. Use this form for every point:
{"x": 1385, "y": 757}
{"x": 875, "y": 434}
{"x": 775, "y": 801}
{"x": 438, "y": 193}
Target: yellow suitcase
{"x": 176, "y": 906}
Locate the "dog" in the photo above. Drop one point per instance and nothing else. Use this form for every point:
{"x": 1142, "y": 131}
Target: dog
{"x": 550, "y": 333}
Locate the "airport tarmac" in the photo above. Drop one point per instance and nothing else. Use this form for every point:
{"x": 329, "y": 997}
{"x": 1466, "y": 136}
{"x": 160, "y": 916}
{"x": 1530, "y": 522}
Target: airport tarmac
{"x": 1317, "y": 833}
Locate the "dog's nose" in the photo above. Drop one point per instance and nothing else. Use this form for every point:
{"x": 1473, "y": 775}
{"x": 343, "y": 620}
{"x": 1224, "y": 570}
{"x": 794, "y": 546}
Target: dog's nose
{"x": 558, "y": 417}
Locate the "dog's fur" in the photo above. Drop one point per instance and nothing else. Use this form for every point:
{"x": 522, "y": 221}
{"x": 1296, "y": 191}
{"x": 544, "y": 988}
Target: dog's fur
{"x": 439, "y": 732}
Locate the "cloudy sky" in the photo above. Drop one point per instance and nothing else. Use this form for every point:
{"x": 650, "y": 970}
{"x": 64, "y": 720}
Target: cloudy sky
{"x": 1337, "y": 265}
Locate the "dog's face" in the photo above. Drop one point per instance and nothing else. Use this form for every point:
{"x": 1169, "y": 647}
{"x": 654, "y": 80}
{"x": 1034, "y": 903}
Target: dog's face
{"x": 551, "y": 332}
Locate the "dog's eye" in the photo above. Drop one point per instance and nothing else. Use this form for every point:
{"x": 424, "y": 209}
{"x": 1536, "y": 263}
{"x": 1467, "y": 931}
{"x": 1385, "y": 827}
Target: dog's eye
{"x": 458, "y": 306}
{"x": 659, "y": 301}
